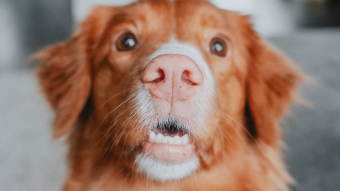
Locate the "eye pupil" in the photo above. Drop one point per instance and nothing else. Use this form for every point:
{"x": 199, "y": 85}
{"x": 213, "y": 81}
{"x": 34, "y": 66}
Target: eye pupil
{"x": 126, "y": 42}
{"x": 129, "y": 42}
{"x": 218, "y": 47}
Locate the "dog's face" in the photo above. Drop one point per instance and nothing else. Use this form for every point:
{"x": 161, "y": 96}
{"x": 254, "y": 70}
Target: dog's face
{"x": 168, "y": 87}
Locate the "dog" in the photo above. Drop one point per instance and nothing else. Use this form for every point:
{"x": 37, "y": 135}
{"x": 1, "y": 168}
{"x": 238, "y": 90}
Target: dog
{"x": 169, "y": 95}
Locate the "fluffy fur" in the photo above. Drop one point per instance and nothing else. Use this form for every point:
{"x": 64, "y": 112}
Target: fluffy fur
{"x": 101, "y": 105}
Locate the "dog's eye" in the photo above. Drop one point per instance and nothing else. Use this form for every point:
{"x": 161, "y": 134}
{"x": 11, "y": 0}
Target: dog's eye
{"x": 126, "y": 42}
{"x": 218, "y": 46}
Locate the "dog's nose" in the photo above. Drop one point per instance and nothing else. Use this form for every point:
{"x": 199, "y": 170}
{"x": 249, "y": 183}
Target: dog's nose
{"x": 172, "y": 77}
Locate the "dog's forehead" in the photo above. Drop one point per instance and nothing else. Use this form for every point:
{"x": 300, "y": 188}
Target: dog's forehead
{"x": 82, "y": 7}
{"x": 178, "y": 18}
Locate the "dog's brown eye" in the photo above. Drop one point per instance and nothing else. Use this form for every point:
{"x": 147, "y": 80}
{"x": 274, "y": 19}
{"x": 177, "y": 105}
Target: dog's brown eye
{"x": 126, "y": 42}
{"x": 218, "y": 46}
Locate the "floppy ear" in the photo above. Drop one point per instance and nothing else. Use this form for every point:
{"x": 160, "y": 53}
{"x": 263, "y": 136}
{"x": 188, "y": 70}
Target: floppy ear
{"x": 64, "y": 70}
{"x": 65, "y": 80}
{"x": 270, "y": 86}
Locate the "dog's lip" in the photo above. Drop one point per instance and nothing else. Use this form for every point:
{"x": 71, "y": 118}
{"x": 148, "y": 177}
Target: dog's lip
{"x": 169, "y": 153}
{"x": 171, "y": 149}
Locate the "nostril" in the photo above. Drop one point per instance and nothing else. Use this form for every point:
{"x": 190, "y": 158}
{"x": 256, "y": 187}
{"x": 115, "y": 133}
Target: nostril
{"x": 188, "y": 78}
{"x": 154, "y": 76}
{"x": 161, "y": 76}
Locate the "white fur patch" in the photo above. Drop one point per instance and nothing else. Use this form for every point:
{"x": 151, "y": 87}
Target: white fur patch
{"x": 185, "y": 49}
{"x": 145, "y": 109}
{"x": 161, "y": 171}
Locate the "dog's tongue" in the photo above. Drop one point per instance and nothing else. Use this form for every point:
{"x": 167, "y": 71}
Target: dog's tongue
{"x": 169, "y": 153}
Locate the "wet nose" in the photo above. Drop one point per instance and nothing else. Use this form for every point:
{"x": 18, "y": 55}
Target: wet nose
{"x": 172, "y": 77}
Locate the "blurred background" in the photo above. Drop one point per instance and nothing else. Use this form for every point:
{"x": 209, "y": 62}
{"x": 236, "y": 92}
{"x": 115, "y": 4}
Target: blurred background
{"x": 307, "y": 30}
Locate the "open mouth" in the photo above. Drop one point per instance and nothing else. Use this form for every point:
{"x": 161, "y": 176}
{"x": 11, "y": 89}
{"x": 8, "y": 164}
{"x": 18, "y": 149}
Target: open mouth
{"x": 169, "y": 142}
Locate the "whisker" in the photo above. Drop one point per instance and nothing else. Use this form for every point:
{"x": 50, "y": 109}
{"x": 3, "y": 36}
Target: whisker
{"x": 238, "y": 124}
{"x": 119, "y": 106}
{"x": 114, "y": 96}
{"x": 114, "y": 120}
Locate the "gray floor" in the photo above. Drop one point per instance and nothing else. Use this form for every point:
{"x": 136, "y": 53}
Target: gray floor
{"x": 31, "y": 161}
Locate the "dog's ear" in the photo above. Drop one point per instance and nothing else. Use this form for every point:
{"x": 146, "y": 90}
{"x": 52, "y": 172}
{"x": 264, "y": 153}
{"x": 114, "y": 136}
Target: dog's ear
{"x": 65, "y": 79}
{"x": 270, "y": 86}
{"x": 64, "y": 71}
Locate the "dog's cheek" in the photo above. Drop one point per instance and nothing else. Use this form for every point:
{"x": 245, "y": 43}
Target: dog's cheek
{"x": 136, "y": 137}
{"x": 102, "y": 88}
{"x": 224, "y": 137}
{"x": 122, "y": 62}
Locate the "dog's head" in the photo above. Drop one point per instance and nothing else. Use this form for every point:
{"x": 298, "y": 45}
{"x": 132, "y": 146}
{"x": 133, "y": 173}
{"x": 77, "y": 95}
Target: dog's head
{"x": 170, "y": 86}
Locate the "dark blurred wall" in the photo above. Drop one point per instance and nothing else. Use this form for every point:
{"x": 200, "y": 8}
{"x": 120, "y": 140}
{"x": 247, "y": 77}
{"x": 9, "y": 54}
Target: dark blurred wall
{"x": 31, "y": 25}
{"x": 318, "y": 15}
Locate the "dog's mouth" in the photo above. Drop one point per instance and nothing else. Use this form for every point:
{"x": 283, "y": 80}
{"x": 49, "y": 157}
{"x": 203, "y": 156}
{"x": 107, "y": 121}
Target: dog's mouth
{"x": 169, "y": 142}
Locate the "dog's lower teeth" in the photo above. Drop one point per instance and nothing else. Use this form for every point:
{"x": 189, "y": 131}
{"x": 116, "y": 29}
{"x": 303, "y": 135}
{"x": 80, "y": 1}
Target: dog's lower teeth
{"x": 160, "y": 138}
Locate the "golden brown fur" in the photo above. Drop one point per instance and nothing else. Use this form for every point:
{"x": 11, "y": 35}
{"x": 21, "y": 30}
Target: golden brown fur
{"x": 88, "y": 86}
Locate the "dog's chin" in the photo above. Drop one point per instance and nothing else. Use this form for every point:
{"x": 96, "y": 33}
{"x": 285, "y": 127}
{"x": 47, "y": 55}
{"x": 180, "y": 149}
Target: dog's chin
{"x": 159, "y": 170}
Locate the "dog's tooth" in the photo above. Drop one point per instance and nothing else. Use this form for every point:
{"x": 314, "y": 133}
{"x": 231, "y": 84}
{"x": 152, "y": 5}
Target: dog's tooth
{"x": 152, "y": 136}
{"x": 168, "y": 139}
{"x": 164, "y": 139}
{"x": 177, "y": 140}
{"x": 185, "y": 139}
{"x": 159, "y": 138}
